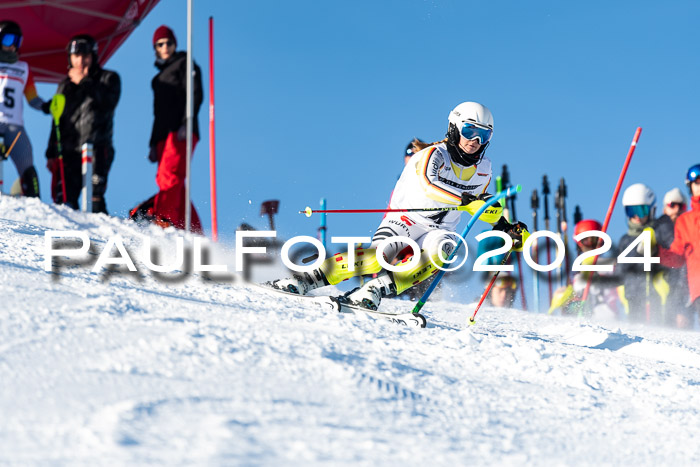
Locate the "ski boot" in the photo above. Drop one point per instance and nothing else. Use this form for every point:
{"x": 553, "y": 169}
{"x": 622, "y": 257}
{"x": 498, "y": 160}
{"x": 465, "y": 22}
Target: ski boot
{"x": 333, "y": 271}
{"x": 370, "y": 294}
{"x": 301, "y": 283}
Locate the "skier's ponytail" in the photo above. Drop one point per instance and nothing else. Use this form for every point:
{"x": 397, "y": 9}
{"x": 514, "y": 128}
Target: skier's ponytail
{"x": 419, "y": 145}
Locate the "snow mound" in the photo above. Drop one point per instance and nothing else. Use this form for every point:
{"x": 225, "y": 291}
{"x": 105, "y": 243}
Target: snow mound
{"x": 136, "y": 368}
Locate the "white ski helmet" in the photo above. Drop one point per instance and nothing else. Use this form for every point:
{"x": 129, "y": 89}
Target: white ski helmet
{"x": 481, "y": 127}
{"x": 638, "y": 195}
{"x": 674, "y": 196}
{"x": 472, "y": 112}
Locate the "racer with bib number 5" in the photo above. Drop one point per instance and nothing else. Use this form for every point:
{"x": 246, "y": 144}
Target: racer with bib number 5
{"x": 16, "y": 80}
{"x": 451, "y": 172}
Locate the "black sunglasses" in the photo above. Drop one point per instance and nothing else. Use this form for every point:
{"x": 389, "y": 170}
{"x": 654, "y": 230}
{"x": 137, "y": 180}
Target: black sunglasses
{"x": 167, "y": 43}
{"x": 676, "y": 205}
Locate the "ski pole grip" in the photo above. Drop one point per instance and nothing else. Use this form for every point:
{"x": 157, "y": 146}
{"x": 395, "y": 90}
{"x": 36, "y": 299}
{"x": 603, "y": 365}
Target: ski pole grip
{"x": 510, "y": 191}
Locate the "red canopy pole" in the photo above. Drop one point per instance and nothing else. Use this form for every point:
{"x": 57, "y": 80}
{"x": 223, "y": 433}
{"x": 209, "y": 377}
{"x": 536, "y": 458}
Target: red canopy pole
{"x": 620, "y": 179}
{"x": 212, "y": 135}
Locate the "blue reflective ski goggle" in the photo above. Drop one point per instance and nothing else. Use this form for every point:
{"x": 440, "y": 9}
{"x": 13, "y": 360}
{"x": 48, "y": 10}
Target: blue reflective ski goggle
{"x": 9, "y": 40}
{"x": 472, "y": 131}
{"x": 640, "y": 211}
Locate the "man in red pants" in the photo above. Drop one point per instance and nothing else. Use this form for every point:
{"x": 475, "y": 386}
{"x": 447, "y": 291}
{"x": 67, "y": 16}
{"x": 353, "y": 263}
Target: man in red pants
{"x": 168, "y": 138}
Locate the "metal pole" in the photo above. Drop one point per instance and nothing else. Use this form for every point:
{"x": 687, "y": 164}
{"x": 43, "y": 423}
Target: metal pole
{"x": 212, "y": 135}
{"x": 512, "y": 217}
{"x": 563, "y": 193}
{"x": 188, "y": 115}
{"x": 557, "y": 216}
{"x": 86, "y": 191}
{"x": 535, "y": 205}
{"x": 322, "y": 228}
{"x": 545, "y": 194}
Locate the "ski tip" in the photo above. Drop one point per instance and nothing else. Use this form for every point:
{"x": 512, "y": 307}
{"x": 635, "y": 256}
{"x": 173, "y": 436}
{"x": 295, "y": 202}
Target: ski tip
{"x": 307, "y": 211}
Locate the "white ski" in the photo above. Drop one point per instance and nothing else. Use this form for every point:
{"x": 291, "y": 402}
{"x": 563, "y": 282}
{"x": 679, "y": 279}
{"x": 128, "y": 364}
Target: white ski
{"x": 337, "y": 304}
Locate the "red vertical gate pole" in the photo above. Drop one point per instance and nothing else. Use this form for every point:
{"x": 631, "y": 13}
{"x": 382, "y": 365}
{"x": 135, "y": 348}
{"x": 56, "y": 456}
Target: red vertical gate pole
{"x": 620, "y": 179}
{"x": 212, "y": 135}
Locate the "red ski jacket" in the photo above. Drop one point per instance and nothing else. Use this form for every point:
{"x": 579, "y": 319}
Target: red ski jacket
{"x": 686, "y": 247}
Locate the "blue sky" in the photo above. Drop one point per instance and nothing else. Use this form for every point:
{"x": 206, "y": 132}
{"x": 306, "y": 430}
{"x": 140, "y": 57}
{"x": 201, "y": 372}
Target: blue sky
{"x": 319, "y": 99}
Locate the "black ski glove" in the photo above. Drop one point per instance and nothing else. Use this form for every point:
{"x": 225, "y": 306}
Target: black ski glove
{"x": 46, "y": 107}
{"x": 515, "y": 231}
{"x": 468, "y": 198}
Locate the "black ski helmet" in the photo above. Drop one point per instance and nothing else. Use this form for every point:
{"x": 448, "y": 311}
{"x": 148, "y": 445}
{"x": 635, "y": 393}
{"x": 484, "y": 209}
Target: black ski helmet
{"x": 82, "y": 44}
{"x": 7, "y": 28}
{"x": 409, "y": 147}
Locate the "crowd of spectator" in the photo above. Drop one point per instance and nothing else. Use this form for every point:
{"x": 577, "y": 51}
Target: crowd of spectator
{"x": 83, "y": 113}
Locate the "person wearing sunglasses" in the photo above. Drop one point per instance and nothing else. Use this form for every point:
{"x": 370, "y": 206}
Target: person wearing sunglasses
{"x": 92, "y": 94}
{"x": 448, "y": 173}
{"x": 16, "y": 84}
{"x": 675, "y": 306}
{"x": 685, "y": 249}
{"x": 168, "y": 143}
{"x": 503, "y": 292}
{"x": 643, "y": 290}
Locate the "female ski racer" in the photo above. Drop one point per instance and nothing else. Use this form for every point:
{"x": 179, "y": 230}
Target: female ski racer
{"x": 452, "y": 172}
{"x": 16, "y": 81}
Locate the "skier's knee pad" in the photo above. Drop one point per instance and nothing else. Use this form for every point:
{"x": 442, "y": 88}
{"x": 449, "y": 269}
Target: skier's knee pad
{"x": 426, "y": 266}
{"x": 30, "y": 182}
{"x": 336, "y": 268}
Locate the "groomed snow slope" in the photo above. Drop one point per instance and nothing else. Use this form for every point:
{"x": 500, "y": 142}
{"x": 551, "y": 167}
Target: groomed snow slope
{"x": 133, "y": 369}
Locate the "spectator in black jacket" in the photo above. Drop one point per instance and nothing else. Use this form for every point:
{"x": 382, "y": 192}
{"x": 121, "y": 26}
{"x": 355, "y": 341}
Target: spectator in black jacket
{"x": 644, "y": 291}
{"x": 92, "y": 94}
{"x": 168, "y": 138}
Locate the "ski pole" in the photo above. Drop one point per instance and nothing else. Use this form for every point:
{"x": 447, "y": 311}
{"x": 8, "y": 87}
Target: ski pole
{"x": 491, "y": 201}
{"x": 308, "y": 211}
{"x": 535, "y": 205}
{"x": 545, "y": 192}
{"x": 5, "y": 156}
{"x": 514, "y": 217}
{"x": 648, "y": 302}
{"x": 488, "y": 288}
{"x": 620, "y": 179}
{"x": 322, "y": 228}
{"x": 557, "y": 215}
{"x": 14, "y": 141}
{"x": 578, "y": 215}
{"x": 58, "y": 103}
{"x": 564, "y": 229}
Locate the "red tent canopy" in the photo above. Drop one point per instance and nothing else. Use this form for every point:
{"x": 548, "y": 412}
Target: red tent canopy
{"x": 48, "y": 25}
